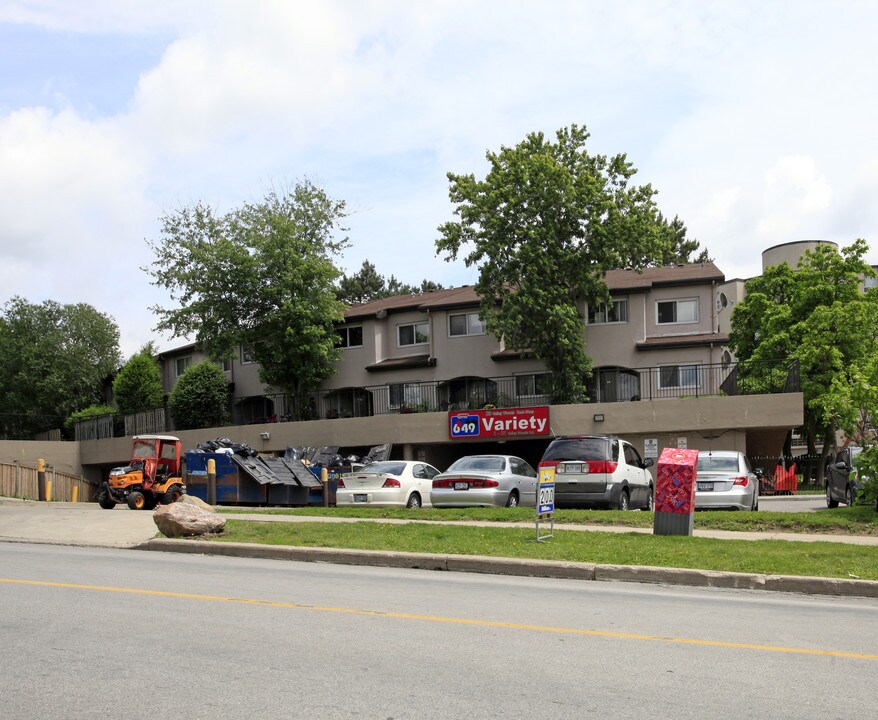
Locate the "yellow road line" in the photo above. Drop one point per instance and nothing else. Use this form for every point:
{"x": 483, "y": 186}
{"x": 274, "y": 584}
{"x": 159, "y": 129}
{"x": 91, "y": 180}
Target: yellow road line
{"x": 456, "y": 621}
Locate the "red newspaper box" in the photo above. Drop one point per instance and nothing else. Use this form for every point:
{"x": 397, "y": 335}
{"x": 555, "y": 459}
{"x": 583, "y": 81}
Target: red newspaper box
{"x": 675, "y": 492}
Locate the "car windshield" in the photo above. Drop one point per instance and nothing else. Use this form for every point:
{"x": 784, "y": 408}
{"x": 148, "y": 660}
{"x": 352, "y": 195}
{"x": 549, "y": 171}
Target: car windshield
{"x": 587, "y": 448}
{"x": 483, "y": 463}
{"x": 384, "y": 468}
{"x": 717, "y": 463}
{"x": 144, "y": 449}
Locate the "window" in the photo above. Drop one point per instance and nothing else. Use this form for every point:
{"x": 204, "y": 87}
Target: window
{"x": 615, "y": 312}
{"x": 181, "y": 364}
{"x": 632, "y": 457}
{"x": 403, "y": 394}
{"x": 225, "y": 365}
{"x": 676, "y": 311}
{"x": 414, "y": 334}
{"x": 350, "y": 336}
{"x": 465, "y": 324}
{"x": 247, "y": 357}
{"x": 536, "y": 384}
{"x": 870, "y": 282}
{"x": 678, "y": 376}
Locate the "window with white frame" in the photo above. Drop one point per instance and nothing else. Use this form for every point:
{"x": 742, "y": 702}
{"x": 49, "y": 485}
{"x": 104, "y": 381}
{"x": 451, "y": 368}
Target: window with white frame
{"x": 225, "y": 365}
{"x": 413, "y": 334}
{"x": 465, "y": 324}
{"x": 676, "y": 311}
{"x": 679, "y": 376}
{"x": 405, "y": 394}
{"x": 349, "y": 337}
{"x": 615, "y": 312}
{"x": 247, "y": 355}
{"x": 531, "y": 385}
{"x": 181, "y": 364}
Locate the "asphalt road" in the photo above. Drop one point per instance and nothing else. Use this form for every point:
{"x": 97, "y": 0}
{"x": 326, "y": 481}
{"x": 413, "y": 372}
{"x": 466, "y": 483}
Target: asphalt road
{"x": 104, "y": 633}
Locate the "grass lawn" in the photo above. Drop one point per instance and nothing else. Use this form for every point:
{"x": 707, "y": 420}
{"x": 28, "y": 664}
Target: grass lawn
{"x": 823, "y": 559}
{"x": 858, "y": 520}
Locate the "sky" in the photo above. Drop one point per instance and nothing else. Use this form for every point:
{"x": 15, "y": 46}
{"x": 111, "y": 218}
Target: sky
{"x": 755, "y": 121}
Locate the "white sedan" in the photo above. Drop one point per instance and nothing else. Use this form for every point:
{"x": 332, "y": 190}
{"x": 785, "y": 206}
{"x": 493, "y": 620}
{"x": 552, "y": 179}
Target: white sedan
{"x": 389, "y": 483}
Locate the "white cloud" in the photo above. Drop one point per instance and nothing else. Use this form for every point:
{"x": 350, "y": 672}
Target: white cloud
{"x": 754, "y": 121}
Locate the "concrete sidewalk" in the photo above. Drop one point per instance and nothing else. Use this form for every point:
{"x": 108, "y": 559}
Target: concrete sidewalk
{"x": 86, "y": 524}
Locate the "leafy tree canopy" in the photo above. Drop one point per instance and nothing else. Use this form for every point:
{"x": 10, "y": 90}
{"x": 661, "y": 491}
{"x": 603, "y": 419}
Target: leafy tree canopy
{"x": 543, "y": 227}
{"x": 138, "y": 385}
{"x": 367, "y": 284}
{"x": 53, "y": 359}
{"x": 262, "y": 275}
{"x": 678, "y": 247}
{"x": 816, "y": 314}
{"x": 200, "y": 398}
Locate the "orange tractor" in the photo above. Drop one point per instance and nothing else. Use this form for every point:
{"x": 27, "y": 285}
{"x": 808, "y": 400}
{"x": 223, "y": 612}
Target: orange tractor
{"x": 152, "y": 476}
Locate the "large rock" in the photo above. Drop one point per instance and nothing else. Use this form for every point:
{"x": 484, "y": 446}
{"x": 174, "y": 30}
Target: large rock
{"x": 197, "y": 501}
{"x": 184, "y": 519}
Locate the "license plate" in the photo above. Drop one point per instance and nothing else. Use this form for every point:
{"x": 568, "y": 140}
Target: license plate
{"x": 705, "y": 486}
{"x": 461, "y": 486}
{"x": 361, "y": 498}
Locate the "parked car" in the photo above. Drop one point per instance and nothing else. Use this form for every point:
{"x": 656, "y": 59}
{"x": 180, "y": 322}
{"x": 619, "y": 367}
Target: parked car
{"x": 599, "y": 470}
{"x": 389, "y": 483}
{"x": 843, "y": 482}
{"x": 485, "y": 481}
{"x": 725, "y": 480}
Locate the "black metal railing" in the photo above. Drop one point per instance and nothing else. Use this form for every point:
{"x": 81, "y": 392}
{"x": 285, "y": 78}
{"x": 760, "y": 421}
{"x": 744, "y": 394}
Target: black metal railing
{"x": 606, "y": 385}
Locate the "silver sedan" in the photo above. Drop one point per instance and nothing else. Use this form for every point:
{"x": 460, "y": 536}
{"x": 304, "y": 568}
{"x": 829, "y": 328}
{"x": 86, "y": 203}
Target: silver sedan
{"x": 485, "y": 481}
{"x": 725, "y": 480}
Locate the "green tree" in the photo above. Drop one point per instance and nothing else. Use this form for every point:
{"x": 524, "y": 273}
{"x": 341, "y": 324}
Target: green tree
{"x": 679, "y": 248}
{"x": 263, "y": 276}
{"x": 543, "y": 227}
{"x": 200, "y": 398}
{"x": 367, "y": 284}
{"x": 817, "y": 315}
{"x": 53, "y": 359}
{"x": 138, "y": 385}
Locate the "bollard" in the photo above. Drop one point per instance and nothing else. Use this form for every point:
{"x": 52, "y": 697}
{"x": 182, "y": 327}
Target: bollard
{"x": 211, "y": 482}
{"x": 41, "y": 479}
{"x": 324, "y": 478}
{"x": 48, "y": 491}
{"x": 75, "y": 496}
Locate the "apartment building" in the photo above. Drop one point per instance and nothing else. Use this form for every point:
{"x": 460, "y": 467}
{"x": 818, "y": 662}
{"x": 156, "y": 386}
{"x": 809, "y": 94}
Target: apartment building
{"x": 662, "y": 376}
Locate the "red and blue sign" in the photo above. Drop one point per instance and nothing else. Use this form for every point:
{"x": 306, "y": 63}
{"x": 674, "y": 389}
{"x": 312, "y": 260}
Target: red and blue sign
{"x": 501, "y": 422}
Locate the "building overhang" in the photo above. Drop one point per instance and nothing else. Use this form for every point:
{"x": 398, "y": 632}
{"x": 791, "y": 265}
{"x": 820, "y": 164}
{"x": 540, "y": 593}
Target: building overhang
{"x": 683, "y": 341}
{"x": 403, "y": 363}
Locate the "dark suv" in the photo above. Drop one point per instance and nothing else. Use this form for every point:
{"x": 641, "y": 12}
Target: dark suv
{"x": 599, "y": 470}
{"x": 843, "y": 483}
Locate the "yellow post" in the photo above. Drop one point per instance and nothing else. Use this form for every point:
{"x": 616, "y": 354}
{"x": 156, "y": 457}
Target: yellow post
{"x": 41, "y": 479}
{"x": 75, "y": 497}
{"x": 211, "y": 481}
{"x": 324, "y": 478}
{"x": 48, "y": 491}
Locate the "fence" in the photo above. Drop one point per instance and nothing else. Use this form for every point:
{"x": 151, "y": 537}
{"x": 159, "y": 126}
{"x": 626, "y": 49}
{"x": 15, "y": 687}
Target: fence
{"x": 791, "y": 475}
{"x": 148, "y": 422}
{"x": 20, "y": 481}
{"x": 97, "y": 428}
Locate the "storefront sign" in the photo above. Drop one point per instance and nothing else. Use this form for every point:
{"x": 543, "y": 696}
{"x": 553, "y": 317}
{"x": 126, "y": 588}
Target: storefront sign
{"x": 504, "y": 422}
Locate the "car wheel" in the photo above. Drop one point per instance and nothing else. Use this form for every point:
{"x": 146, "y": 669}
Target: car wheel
{"x": 136, "y": 501}
{"x": 650, "y": 499}
{"x": 830, "y": 503}
{"x": 624, "y": 503}
{"x": 513, "y": 499}
{"x": 755, "y": 506}
{"x": 105, "y": 502}
{"x": 414, "y": 501}
{"x": 849, "y": 496}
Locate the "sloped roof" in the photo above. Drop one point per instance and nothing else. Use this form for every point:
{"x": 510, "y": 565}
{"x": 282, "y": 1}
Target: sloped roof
{"x": 678, "y": 341}
{"x": 617, "y": 281}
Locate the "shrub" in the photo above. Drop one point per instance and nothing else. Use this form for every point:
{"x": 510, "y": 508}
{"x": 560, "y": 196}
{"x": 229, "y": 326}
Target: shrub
{"x": 200, "y": 398}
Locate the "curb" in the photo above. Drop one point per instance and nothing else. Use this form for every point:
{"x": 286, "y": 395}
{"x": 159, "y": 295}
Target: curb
{"x": 525, "y": 568}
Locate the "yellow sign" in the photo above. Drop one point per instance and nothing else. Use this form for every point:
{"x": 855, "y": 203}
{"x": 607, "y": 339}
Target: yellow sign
{"x": 547, "y": 475}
